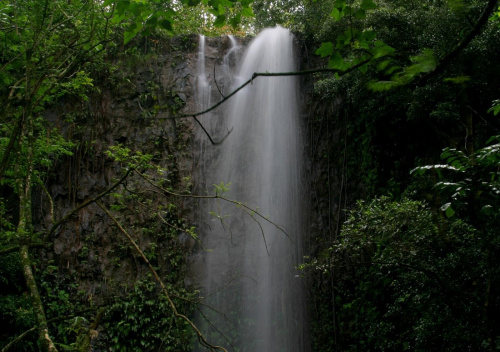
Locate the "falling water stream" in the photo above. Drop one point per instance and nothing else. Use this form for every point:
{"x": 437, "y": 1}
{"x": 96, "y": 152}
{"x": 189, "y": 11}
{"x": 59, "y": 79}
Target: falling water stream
{"x": 248, "y": 274}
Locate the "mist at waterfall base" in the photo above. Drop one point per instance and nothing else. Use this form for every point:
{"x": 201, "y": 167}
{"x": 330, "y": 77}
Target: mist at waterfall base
{"x": 247, "y": 268}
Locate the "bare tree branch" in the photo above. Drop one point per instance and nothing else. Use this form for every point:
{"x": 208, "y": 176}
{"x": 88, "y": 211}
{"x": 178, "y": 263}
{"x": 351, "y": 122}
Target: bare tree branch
{"x": 273, "y": 74}
{"x": 208, "y": 135}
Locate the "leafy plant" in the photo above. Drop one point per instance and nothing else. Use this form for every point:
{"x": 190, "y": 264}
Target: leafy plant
{"x": 401, "y": 282}
{"x": 143, "y": 321}
{"x": 471, "y": 183}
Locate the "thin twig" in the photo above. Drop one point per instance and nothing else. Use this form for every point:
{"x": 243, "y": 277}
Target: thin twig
{"x": 84, "y": 204}
{"x": 216, "y": 329}
{"x": 209, "y": 137}
{"x": 216, "y": 196}
{"x": 20, "y": 337}
{"x": 215, "y": 81}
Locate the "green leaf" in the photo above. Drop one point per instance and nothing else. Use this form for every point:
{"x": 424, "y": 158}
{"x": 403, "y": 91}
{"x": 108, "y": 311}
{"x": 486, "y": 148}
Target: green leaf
{"x": 339, "y": 4}
{"x": 337, "y": 62}
{"x": 448, "y": 210}
{"x": 235, "y": 21}
{"x": 360, "y": 14}
{"x": 227, "y": 3}
{"x": 135, "y": 8}
{"x": 425, "y": 62}
{"x": 379, "y": 86}
{"x": 131, "y": 32}
{"x": 392, "y": 69}
{"x": 457, "y": 80}
{"x": 168, "y": 13}
{"x": 326, "y": 49}
{"x": 363, "y": 69}
{"x": 368, "y": 5}
{"x": 166, "y": 24}
{"x": 152, "y": 21}
{"x": 247, "y": 12}
{"x": 495, "y": 109}
{"x": 370, "y": 35}
{"x": 221, "y": 10}
{"x": 122, "y": 6}
{"x": 336, "y": 14}
{"x": 220, "y": 20}
{"x": 383, "y": 65}
{"x": 381, "y": 51}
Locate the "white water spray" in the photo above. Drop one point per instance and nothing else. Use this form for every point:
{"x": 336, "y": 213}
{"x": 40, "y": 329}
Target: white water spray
{"x": 249, "y": 275}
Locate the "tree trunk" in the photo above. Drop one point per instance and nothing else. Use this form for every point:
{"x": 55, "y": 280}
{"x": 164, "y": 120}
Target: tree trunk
{"x": 43, "y": 331}
{"x": 24, "y": 230}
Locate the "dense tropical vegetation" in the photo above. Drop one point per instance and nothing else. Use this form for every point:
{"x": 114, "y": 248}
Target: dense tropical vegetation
{"x": 406, "y": 253}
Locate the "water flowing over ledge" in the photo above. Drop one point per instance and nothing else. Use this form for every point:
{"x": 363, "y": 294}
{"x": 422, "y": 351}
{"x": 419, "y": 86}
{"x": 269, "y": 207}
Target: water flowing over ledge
{"x": 248, "y": 277}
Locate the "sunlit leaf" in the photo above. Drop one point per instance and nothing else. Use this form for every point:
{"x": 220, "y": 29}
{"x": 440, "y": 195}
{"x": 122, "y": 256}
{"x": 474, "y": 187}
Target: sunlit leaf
{"x": 495, "y": 109}
{"x": 448, "y": 210}
{"x": 247, "y": 12}
{"x": 326, "y": 49}
{"x": 131, "y": 32}
{"x": 336, "y": 14}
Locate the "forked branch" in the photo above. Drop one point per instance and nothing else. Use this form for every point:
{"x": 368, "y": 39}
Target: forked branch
{"x": 252, "y": 212}
{"x": 275, "y": 74}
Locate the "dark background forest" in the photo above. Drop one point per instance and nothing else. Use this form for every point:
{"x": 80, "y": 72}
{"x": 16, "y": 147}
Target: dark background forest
{"x": 400, "y": 109}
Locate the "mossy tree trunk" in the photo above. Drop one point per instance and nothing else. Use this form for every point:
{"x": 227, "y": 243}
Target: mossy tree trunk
{"x": 24, "y": 231}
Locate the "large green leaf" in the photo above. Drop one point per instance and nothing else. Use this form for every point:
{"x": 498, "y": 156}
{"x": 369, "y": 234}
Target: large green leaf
{"x": 247, "y": 12}
{"x": 326, "y": 49}
{"x": 220, "y": 21}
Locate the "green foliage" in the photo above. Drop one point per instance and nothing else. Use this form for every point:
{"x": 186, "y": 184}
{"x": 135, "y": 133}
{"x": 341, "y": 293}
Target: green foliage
{"x": 144, "y": 321}
{"x": 65, "y": 307}
{"x": 403, "y": 281}
{"x": 495, "y": 109}
{"x": 15, "y": 304}
{"x": 470, "y": 183}
{"x": 221, "y": 188}
{"x": 123, "y": 155}
{"x": 148, "y": 16}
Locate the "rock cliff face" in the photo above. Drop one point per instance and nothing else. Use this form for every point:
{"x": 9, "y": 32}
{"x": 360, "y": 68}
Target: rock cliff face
{"x": 133, "y": 107}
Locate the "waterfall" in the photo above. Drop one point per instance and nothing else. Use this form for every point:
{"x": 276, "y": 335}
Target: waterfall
{"x": 248, "y": 273}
